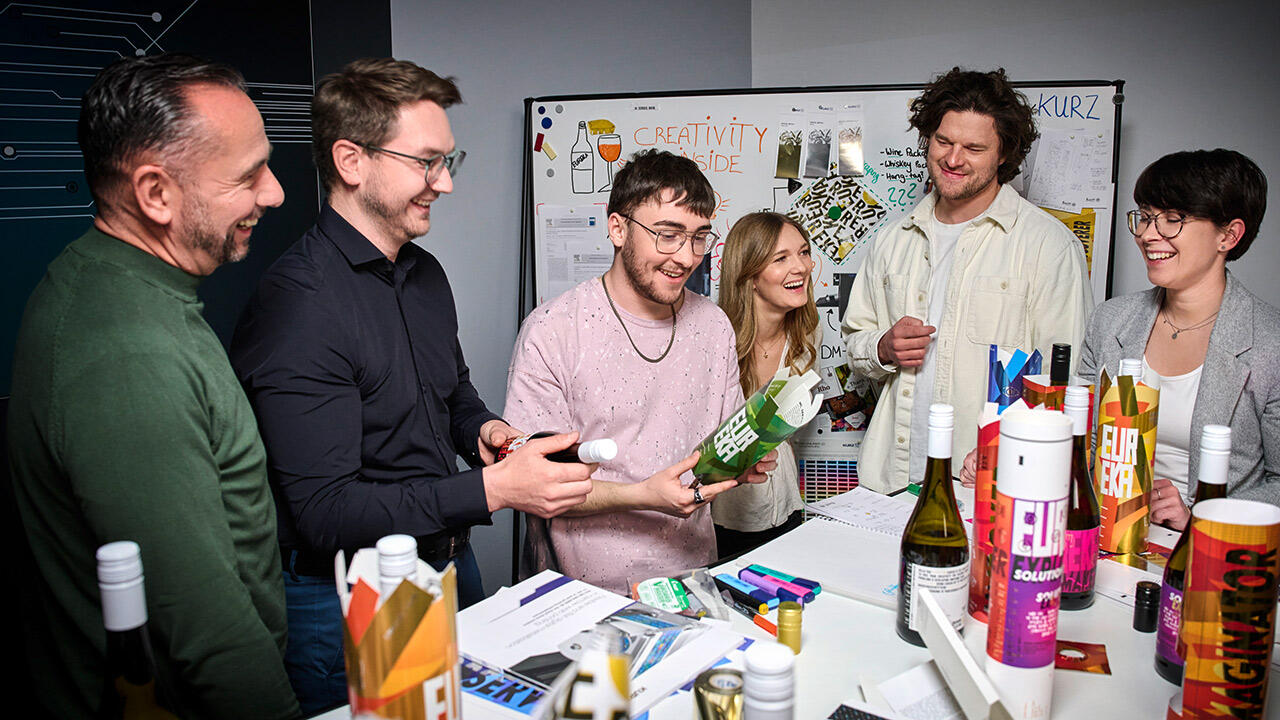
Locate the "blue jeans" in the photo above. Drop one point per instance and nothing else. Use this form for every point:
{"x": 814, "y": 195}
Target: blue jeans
{"x": 313, "y": 658}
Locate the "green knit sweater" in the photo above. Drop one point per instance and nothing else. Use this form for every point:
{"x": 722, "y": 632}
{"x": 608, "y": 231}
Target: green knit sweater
{"x": 127, "y": 423}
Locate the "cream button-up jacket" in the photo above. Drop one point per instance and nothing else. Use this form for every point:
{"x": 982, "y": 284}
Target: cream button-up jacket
{"x": 1018, "y": 280}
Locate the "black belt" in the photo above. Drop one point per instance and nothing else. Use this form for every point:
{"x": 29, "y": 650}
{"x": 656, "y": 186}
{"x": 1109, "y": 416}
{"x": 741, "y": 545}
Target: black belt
{"x": 438, "y": 547}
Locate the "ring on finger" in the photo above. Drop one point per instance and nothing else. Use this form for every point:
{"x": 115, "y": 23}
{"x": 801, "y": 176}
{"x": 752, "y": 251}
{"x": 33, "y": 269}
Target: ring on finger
{"x": 697, "y": 496}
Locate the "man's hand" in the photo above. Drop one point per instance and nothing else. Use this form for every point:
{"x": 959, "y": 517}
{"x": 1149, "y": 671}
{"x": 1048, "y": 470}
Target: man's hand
{"x": 1167, "y": 507}
{"x": 664, "y": 492}
{"x": 527, "y": 481}
{"x": 761, "y": 471}
{"x": 969, "y": 470}
{"x": 493, "y": 435}
{"x": 905, "y": 343}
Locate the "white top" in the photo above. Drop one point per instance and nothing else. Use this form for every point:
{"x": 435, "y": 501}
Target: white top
{"x": 1173, "y": 432}
{"x": 942, "y": 253}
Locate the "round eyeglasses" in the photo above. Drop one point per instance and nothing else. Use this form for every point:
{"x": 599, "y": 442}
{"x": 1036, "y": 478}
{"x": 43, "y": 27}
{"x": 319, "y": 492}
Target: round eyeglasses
{"x": 669, "y": 241}
{"x": 1168, "y": 224}
{"x": 431, "y": 166}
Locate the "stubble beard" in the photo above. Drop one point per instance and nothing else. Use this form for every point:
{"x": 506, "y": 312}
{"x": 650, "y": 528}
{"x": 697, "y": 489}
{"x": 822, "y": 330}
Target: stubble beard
{"x": 392, "y": 222}
{"x": 640, "y": 283}
{"x": 972, "y": 187}
{"x": 204, "y": 237}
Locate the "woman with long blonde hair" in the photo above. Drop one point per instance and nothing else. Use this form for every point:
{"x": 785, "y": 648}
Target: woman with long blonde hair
{"x": 766, "y": 290}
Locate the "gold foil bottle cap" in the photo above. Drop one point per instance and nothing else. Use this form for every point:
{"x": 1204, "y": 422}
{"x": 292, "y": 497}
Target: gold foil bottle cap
{"x": 718, "y": 694}
{"x": 789, "y": 625}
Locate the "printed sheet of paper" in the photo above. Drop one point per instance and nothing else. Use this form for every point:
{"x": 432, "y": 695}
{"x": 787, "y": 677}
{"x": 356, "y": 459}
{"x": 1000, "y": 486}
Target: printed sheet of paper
{"x": 868, "y": 510}
{"x": 1060, "y": 178}
{"x": 921, "y": 694}
{"x": 575, "y": 243}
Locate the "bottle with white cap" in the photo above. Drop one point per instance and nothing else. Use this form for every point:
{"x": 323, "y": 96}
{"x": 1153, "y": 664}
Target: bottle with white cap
{"x": 129, "y": 689}
{"x": 1084, "y": 518}
{"x": 1131, "y": 367}
{"x": 589, "y": 451}
{"x": 397, "y": 562}
{"x": 768, "y": 684}
{"x": 1215, "y": 457}
{"x": 934, "y": 553}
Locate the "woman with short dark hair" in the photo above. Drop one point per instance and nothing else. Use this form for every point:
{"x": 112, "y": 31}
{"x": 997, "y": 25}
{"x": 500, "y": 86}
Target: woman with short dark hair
{"x": 1211, "y": 346}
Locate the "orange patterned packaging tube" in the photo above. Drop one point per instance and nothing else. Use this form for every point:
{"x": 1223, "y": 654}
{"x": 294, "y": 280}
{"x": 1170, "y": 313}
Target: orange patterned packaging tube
{"x": 1229, "y": 608}
{"x": 1037, "y": 390}
{"x": 401, "y": 650}
{"x": 1124, "y": 461}
{"x": 984, "y": 512}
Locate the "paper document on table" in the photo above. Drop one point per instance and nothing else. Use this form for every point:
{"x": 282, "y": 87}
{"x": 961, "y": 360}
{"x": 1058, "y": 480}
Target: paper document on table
{"x": 532, "y": 631}
{"x": 921, "y": 694}
{"x": 575, "y": 243}
{"x": 865, "y": 569}
{"x": 868, "y": 510}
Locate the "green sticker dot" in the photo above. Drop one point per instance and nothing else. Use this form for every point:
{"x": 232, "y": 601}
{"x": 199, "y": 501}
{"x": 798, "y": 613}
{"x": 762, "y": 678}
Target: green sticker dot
{"x": 835, "y": 212}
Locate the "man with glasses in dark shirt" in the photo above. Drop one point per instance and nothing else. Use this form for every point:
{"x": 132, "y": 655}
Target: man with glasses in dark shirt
{"x": 350, "y": 356}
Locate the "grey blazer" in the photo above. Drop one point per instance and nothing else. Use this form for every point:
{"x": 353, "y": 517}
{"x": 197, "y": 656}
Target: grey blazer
{"x": 1239, "y": 386}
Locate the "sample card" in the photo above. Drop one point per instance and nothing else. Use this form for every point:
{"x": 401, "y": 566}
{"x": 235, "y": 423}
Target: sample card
{"x": 1082, "y": 656}
{"x": 849, "y": 124}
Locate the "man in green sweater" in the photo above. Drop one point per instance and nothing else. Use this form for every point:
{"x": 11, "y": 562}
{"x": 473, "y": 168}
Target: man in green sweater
{"x": 127, "y": 422}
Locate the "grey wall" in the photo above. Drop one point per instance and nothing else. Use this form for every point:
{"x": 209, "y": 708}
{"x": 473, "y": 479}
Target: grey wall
{"x": 1199, "y": 74}
{"x": 502, "y": 52}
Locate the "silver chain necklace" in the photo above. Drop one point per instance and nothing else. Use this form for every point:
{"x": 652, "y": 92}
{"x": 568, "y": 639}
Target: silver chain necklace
{"x": 644, "y": 357}
{"x": 1177, "y": 330}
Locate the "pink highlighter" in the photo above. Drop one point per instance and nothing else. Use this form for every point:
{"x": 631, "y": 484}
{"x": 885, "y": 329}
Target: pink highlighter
{"x": 779, "y": 587}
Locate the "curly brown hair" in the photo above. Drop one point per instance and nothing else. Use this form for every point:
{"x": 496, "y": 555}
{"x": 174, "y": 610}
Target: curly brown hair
{"x": 988, "y": 93}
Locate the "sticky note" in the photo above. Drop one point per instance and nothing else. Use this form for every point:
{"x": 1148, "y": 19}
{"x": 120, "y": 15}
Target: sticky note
{"x": 599, "y": 127}
{"x": 546, "y": 149}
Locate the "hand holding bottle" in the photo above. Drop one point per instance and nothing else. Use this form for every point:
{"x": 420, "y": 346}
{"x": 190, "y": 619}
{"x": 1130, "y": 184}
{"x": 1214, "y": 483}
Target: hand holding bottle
{"x": 493, "y": 435}
{"x": 761, "y": 471}
{"x": 1167, "y": 507}
{"x": 527, "y": 481}
{"x": 969, "y": 470}
{"x": 663, "y": 491}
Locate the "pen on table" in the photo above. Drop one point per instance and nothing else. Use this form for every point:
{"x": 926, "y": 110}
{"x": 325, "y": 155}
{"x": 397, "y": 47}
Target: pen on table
{"x": 757, "y": 595}
{"x": 784, "y": 590}
{"x": 812, "y": 585}
{"x": 747, "y": 612}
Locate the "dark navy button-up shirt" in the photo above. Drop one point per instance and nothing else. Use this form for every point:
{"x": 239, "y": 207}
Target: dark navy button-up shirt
{"x": 353, "y": 367}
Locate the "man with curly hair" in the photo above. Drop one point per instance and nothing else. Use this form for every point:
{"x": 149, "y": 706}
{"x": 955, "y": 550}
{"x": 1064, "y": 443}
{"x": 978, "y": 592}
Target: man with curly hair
{"x": 974, "y": 264}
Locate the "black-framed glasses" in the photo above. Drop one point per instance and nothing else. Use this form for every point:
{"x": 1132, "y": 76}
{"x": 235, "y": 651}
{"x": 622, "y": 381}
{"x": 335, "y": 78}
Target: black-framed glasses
{"x": 669, "y": 241}
{"x": 431, "y": 165}
{"x": 1168, "y": 224}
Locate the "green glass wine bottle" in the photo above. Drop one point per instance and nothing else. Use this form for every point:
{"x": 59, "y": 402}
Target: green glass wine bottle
{"x": 1215, "y": 456}
{"x": 935, "y": 549}
{"x": 129, "y": 687}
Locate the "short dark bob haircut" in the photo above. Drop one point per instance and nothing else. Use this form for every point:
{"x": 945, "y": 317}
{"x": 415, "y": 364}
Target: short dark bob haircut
{"x": 987, "y": 93}
{"x": 651, "y": 172}
{"x": 1217, "y": 185}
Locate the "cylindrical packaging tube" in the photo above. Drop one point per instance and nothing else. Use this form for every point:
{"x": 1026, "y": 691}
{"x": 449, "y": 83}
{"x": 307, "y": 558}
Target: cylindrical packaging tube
{"x": 1026, "y": 577}
{"x": 1124, "y": 460}
{"x": 984, "y": 512}
{"x": 1229, "y": 608}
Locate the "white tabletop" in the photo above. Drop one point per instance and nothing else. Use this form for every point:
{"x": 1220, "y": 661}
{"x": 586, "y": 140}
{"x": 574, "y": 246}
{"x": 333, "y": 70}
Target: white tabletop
{"x": 845, "y": 641}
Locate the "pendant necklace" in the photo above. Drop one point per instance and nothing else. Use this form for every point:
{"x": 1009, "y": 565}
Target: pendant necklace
{"x": 1177, "y": 330}
{"x": 644, "y": 357}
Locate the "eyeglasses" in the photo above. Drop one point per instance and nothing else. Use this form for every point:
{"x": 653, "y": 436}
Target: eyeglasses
{"x": 430, "y": 165}
{"x": 1168, "y": 224}
{"x": 669, "y": 242}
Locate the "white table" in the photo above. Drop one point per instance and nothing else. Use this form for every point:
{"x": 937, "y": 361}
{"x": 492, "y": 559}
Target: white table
{"x": 846, "y": 640}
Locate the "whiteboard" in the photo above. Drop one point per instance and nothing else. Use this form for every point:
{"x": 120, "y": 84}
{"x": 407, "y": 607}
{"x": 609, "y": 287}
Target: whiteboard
{"x": 734, "y": 136}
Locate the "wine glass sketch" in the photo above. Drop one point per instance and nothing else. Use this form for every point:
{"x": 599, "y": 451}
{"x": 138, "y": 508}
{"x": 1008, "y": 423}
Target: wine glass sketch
{"x": 610, "y": 148}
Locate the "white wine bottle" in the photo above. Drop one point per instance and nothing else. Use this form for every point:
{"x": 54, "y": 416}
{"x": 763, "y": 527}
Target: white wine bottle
{"x": 935, "y": 549}
{"x": 129, "y": 687}
{"x": 1084, "y": 517}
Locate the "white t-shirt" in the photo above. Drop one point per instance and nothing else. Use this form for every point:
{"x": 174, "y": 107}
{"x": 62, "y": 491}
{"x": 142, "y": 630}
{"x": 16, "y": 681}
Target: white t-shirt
{"x": 1173, "y": 432}
{"x": 942, "y": 253}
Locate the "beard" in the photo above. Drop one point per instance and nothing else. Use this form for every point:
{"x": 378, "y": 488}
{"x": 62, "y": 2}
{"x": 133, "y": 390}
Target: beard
{"x": 972, "y": 186}
{"x": 203, "y": 235}
{"x": 641, "y": 281}
{"x": 394, "y": 223}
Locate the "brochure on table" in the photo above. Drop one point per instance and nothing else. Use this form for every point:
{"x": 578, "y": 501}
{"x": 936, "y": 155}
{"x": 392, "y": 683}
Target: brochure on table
{"x": 515, "y": 644}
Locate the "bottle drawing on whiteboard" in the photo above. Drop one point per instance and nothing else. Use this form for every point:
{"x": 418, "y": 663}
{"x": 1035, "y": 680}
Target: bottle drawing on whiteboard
{"x": 1084, "y": 516}
{"x": 935, "y": 548}
{"x": 1215, "y": 456}
{"x": 582, "y": 162}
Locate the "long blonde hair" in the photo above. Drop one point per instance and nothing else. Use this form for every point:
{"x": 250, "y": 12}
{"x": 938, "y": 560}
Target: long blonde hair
{"x": 747, "y": 251}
